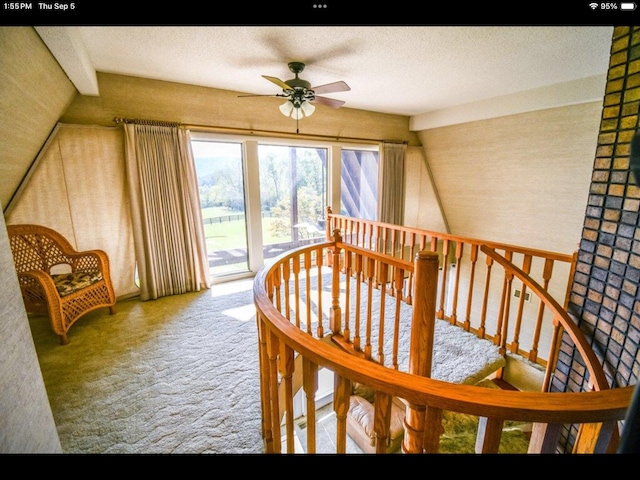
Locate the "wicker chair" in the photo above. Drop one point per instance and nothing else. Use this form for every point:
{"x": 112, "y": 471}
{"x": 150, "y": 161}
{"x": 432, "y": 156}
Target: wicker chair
{"x": 58, "y": 281}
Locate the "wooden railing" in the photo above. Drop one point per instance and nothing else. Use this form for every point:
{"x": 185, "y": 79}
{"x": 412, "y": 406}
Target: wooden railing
{"x": 303, "y": 324}
{"x": 471, "y": 293}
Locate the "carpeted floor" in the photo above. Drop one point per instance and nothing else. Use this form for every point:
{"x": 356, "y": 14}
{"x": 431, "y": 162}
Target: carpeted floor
{"x": 174, "y": 375}
{"x": 178, "y": 375}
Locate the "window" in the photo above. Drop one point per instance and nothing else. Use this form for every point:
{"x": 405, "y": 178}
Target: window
{"x": 293, "y": 196}
{"x": 262, "y": 197}
{"x": 359, "y": 184}
{"x": 220, "y": 166}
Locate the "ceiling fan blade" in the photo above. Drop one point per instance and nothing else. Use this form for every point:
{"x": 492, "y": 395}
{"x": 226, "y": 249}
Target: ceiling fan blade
{"x": 329, "y": 102}
{"x": 331, "y": 88}
{"x": 266, "y": 95}
{"x": 278, "y": 82}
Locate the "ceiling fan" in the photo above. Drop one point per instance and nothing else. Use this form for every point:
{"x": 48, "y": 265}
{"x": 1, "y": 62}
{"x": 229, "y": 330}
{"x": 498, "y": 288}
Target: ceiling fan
{"x": 301, "y": 95}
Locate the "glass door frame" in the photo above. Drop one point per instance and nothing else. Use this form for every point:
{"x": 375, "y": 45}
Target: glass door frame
{"x": 251, "y": 180}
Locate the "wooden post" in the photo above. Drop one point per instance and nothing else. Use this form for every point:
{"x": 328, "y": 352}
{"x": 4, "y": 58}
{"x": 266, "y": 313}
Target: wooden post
{"x": 335, "y": 313}
{"x": 422, "y": 331}
{"x": 423, "y": 321}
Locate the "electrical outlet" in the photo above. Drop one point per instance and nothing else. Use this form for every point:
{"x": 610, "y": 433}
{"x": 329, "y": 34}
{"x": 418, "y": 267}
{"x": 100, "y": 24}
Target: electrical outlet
{"x": 517, "y": 293}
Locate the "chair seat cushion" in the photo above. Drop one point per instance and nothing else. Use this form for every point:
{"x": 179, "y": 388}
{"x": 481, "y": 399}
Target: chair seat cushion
{"x": 67, "y": 283}
{"x": 360, "y": 424}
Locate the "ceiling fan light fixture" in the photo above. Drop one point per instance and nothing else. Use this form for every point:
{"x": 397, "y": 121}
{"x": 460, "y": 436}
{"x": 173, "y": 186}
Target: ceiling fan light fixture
{"x": 286, "y": 108}
{"x": 307, "y": 108}
{"x": 297, "y": 114}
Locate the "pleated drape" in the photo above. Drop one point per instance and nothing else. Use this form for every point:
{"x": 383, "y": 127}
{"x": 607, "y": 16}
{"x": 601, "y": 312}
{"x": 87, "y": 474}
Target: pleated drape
{"x": 166, "y": 216}
{"x": 391, "y": 185}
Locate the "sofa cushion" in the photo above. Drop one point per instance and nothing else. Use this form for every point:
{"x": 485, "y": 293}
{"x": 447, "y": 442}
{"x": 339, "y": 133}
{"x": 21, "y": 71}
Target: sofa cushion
{"x": 360, "y": 423}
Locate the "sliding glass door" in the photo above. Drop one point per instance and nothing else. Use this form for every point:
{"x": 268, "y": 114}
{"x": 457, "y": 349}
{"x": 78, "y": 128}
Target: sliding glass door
{"x": 220, "y": 170}
{"x": 293, "y": 196}
{"x": 261, "y": 198}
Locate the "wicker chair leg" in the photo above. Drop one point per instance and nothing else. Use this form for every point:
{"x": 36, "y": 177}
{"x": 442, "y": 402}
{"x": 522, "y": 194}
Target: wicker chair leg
{"x": 64, "y": 339}
{"x": 112, "y": 310}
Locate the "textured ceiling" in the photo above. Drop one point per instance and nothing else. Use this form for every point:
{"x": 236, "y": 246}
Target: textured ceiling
{"x": 399, "y": 70}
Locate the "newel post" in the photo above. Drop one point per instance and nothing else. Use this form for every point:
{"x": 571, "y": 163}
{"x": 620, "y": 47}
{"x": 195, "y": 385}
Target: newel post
{"x": 335, "y": 313}
{"x": 421, "y": 353}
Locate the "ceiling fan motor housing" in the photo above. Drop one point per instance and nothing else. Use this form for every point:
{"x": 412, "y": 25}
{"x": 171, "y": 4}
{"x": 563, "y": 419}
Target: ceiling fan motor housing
{"x": 297, "y": 83}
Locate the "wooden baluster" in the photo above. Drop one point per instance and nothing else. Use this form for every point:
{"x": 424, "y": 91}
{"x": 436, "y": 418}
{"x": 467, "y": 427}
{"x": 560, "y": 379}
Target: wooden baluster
{"x": 347, "y": 295}
{"x": 412, "y": 252}
{"x": 382, "y": 421}
{"x": 399, "y": 283}
{"x": 485, "y": 300}
{"x": 443, "y": 282}
{"x": 287, "y": 376}
{"x": 500, "y": 338}
{"x": 596, "y": 438}
{"x": 394, "y": 242}
{"x": 335, "y": 314}
{"x": 319, "y": 256}
{"x": 546, "y": 276}
{"x": 544, "y": 437}
{"x": 456, "y": 285}
{"x": 515, "y": 344}
{"x": 370, "y": 276}
{"x": 488, "y": 436}
{"x": 383, "y": 273}
{"x": 307, "y": 272}
{"x": 342, "y": 392}
{"x": 473, "y": 258}
{"x": 359, "y": 273}
{"x": 265, "y": 393}
{"x": 273, "y": 349}
{"x": 433, "y": 430}
{"x": 277, "y": 282}
{"x": 554, "y": 349}
{"x": 296, "y": 286}
{"x": 310, "y": 387}
{"x": 421, "y": 352}
{"x": 286, "y": 277}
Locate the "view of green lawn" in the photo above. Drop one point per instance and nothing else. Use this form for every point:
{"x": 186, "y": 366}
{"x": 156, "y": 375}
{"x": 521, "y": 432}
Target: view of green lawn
{"x": 228, "y": 235}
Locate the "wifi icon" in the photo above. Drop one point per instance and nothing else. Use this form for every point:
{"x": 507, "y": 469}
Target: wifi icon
{"x": 593, "y": 5}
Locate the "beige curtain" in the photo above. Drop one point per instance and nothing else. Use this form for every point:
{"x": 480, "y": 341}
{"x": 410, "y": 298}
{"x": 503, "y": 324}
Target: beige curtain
{"x": 167, "y": 220}
{"x": 391, "y": 183}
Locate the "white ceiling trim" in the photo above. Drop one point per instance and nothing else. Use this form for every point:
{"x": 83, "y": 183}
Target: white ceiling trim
{"x": 583, "y": 90}
{"x": 68, "y": 47}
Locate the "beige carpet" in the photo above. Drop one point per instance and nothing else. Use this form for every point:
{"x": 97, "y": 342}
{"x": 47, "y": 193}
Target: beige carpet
{"x": 174, "y": 375}
{"x": 178, "y": 375}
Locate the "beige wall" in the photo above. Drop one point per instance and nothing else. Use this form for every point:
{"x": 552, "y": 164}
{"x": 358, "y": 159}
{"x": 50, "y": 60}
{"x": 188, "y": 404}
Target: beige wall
{"x": 131, "y": 97}
{"x": 26, "y": 421}
{"x": 35, "y": 93}
{"x": 422, "y": 205}
{"x": 520, "y": 179}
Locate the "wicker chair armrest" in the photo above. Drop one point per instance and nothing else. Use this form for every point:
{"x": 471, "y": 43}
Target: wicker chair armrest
{"x": 44, "y": 279}
{"x": 90, "y": 261}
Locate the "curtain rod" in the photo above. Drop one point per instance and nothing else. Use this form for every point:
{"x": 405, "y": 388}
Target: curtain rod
{"x": 273, "y": 133}
{"x": 140, "y": 121}
{"x": 248, "y": 131}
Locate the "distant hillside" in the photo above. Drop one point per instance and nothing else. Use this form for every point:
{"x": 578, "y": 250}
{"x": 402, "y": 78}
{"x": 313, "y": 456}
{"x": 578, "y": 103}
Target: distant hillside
{"x": 206, "y": 166}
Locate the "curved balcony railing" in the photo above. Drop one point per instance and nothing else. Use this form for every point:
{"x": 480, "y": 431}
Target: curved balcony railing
{"x": 309, "y": 319}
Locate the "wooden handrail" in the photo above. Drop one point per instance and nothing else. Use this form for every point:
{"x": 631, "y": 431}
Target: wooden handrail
{"x": 471, "y": 293}
{"x": 284, "y": 343}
